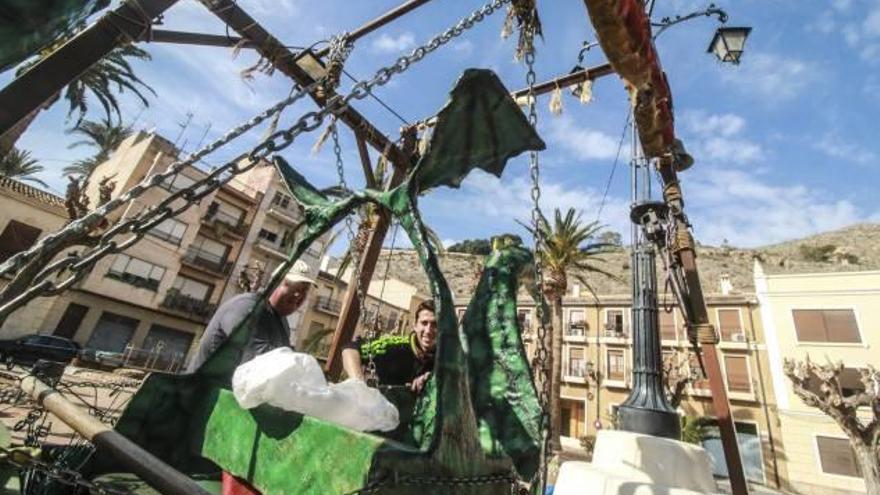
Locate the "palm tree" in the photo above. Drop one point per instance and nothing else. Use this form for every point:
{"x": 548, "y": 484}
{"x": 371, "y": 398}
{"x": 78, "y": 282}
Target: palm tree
{"x": 104, "y": 136}
{"x": 19, "y": 165}
{"x": 104, "y": 80}
{"x": 568, "y": 246}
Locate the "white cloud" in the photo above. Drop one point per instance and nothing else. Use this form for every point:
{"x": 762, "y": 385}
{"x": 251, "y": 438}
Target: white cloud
{"x": 462, "y": 47}
{"x": 734, "y": 205}
{"x": 772, "y": 77}
{"x": 836, "y": 147}
{"x": 386, "y": 43}
{"x": 582, "y": 142}
{"x": 718, "y": 138}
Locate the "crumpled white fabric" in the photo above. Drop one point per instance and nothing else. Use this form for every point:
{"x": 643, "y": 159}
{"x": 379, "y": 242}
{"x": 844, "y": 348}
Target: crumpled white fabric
{"x": 293, "y": 381}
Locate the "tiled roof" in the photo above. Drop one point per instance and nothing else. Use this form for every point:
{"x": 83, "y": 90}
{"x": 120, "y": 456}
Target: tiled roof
{"x": 21, "y": 189}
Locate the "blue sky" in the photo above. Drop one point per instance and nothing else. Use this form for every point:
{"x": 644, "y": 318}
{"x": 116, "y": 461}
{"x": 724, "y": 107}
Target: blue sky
{"x": 784, "y": 143}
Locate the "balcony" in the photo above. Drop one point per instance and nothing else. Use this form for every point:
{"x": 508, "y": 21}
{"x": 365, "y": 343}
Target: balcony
{"x": 135, "y": 280}
{"x": 181, "y": 302}
{"x": 207, "y": 261}
{"x": 328, "y": 305}
{"x": 576, "y": 331}
{"x": 226, "y": 224}
{"x": 273, "y": 248}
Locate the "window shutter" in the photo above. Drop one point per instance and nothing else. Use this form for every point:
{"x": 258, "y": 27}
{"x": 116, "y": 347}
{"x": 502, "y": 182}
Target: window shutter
{"x": 837, "y": 457}
{"x": 841, "y": 326}
{"x": 667, "y": 325}
{"x": 728, "y": 319}
{"x": 737, "y": 374}
{"x": 809, "y": 324}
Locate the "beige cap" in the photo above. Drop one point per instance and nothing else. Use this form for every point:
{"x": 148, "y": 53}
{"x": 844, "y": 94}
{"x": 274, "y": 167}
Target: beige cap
{"x": 300, "y": 272}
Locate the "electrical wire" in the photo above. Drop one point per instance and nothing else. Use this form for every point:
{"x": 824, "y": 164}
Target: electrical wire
{"x": 614, "y": 167}
{"x": 372, "y": 94}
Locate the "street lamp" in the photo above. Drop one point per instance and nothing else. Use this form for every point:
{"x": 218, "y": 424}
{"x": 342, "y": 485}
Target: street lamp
{"x": 728, "y": 43}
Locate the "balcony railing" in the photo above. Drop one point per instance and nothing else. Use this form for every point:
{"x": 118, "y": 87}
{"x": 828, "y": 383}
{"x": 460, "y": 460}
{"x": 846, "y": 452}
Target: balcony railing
{"x": 227, "y": 223}
{"x": 135, "y": 280}
{"x": 328, "y": 305}
{"x": 181, "y": 302}
{"x": 576, "y": 329}
{"x": 209, "y": 261}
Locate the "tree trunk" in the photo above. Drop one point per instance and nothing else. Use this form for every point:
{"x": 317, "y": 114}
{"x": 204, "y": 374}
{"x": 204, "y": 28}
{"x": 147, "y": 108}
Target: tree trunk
{"x": 869, "y": 463}
{"x": 556, "y": 375}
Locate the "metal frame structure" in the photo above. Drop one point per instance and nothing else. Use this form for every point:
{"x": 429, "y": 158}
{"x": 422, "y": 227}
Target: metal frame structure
{"x": 132, "y": 21}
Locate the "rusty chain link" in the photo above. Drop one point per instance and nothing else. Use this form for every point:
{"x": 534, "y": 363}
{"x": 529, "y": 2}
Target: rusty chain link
{"x": 139, "y": 224}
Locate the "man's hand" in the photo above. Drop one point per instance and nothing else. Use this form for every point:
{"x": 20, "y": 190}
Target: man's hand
{"x": 419, "y": 382}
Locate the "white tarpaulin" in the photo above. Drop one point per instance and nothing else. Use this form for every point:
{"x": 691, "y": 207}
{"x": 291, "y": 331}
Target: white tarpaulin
{"x": 293, "y": 381}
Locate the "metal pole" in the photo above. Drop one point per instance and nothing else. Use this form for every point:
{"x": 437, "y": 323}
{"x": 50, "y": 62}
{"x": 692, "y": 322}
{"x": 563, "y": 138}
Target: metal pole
{"x": 145, "y": 465}
{"x": 380, "y": 21}
{"x": 646, "y": 410}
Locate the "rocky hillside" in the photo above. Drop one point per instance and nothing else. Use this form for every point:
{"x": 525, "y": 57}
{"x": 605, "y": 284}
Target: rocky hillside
{"x": 853, "y": 248}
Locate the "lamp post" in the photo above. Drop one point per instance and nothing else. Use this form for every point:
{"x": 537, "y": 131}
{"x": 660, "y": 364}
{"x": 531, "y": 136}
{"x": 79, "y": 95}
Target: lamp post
{"x": 728, "y": 43}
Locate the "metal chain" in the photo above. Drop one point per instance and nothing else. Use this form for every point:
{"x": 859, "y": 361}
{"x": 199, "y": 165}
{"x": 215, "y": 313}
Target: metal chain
{"x": 354, "y": 253}
{"x": 151, "y": 217}
{"x": 23, "y": 459}
{"x": 443, "y": 481}
{"x": 542, "y": 360}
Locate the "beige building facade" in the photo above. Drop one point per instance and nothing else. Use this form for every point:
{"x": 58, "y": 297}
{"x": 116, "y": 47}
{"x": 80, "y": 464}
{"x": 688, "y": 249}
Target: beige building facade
{"x": 828, "y": 317}
{"x": 155, "y": 298}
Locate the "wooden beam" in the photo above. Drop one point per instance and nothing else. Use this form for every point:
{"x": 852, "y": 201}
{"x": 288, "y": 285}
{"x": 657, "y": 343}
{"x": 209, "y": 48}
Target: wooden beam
{"x": 49, "y": 76}
{"x": 380, "y": 21}
{"x": 364, "y": 153}
{"x": 567, "y": 80}
{"x": 284, "y": 60}
{"x": 186, "y": 38}
{"x": 351, "y": 310}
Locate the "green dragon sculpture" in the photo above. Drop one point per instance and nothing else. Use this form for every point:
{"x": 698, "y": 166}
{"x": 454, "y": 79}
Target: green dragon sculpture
{"x": 478, "y": 422}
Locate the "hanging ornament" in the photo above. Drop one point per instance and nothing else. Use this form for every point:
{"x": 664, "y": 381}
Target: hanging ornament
{"x": 425, "y": 141}
{"x": 507, "y": 27}
{"x": 556, "y": 101}
{"x": 524, "y": 100}
{"x": 322, "y": 138}
{"x": 586, "y": 93}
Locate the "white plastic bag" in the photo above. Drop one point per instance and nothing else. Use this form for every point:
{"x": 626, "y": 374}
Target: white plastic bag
{"x": 294, "y": 381}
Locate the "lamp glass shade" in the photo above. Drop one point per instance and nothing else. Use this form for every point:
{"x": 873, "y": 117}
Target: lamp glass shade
{"x": 728, "y": 43}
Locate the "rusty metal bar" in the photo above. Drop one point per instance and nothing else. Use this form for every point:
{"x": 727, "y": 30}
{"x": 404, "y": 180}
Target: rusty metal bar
{"x": 49, "y": 76}
{"x": 568, "y": 80}
{"x": 380, "y": 21}
{"x": 145, "y": 465}
{"x": 284, "y": 60}
{"x": 351, "y": 309}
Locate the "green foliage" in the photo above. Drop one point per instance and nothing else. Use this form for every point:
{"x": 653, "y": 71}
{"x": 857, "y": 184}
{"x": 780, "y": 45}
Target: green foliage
{"x": 611, "y": 238}
{"x": 21, "y": 166}
{"x": 105, "y": 136}
{"x": 817, "y": 254}
{"x": 480, "y": 247}
{"x": 695, "y": 429}
{"x": 588, "y": 443}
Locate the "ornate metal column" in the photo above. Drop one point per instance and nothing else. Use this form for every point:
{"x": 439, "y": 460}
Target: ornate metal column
{"x": 646, "y": 410}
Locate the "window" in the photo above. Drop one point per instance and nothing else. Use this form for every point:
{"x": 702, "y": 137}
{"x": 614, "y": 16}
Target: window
{"x": 112, "y": 332}
{"x": 226, "y": 213}
{"x": 136, "y": 272}
{"x": 209, "y": 249}
{"x": 268, "y": 235}
{"x": 826, "y": 325}
{"x": 281, "y": 200}
{"x": 170, "y": 230}
{"x": 616, "y": 366}
{"x": 525, "y": 320}
{"x": 576, "y": 322}
{"x": 16, "y": 237}
{"x": 730, "y": 326}
{"x": 850, "y": 380}
{"x": 168, "y": 342}
{"x": 738, "y": 374}
{"x": 836, "y": 456}
{"x": 577, "y": 365}
{"x": 71, "y": 320}
{"x": 194, "y": 289}
{"x": 667, "y": 324}
{"x": 178, "y": 182}
{"x": 614, "y": 321}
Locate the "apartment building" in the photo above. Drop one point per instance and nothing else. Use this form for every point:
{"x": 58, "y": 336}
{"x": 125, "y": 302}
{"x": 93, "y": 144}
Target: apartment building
{"x": 597, "y": 368}
{"x": 155, "y": 298}
{"x": 829, "y": 317}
